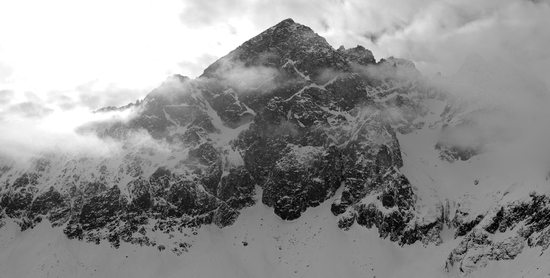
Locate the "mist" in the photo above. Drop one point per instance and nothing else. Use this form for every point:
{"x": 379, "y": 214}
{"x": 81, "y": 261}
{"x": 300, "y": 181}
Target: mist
{"x": 30, "y": 130}
{"x": 498, "y": 110}
{"x": 247, "y": 78}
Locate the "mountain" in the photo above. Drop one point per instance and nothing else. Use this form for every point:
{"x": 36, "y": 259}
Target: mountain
{"x": 287, "y": 148}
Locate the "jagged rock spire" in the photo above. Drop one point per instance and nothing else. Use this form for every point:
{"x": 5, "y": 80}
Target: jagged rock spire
{"x": 274, "y": 47}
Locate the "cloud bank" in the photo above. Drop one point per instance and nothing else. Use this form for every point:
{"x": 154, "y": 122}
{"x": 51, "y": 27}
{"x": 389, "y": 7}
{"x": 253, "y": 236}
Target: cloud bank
{"x": 436, "y": 35}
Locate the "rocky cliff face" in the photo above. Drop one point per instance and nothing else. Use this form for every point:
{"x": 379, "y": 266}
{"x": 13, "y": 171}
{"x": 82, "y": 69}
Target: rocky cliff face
{"x": 285, "y": 120}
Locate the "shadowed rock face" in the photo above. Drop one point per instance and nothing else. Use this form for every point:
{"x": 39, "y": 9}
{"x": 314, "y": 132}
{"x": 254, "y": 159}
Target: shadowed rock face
{"x": 310, "y": 53}
{"x": 358, "y": 55}
{"x": 284, "y": 119}
{"x": 503, "y": 234}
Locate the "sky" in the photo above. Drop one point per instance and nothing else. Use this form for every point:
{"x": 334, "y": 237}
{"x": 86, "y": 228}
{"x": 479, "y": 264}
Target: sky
{"x": 61, "y": 59}
{"x": 96, "y": 53}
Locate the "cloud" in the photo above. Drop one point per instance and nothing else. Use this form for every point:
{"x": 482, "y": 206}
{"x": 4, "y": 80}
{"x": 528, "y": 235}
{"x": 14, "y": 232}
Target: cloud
{"x": 242, "y": 78}
{"x": 95, "y": 95}
{"x": 32, "y": 126}
{"x": 28, "y": 105}
{"x": 500, "y": 110}
{"x": 390, "y": 68}
{"x": 26, "y": 135}
{"x": 5, "y": 96}
{"x": 64, "y": 102}
{"x": 29, "y": 109}
{"x": 436, "y": 35}
{"x": 185, "y": 36}
{"x": 197, "y": 65}
{"x": 5, "y": 72}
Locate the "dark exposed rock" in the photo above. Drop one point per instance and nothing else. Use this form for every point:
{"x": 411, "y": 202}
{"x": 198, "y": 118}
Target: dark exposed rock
{"x": 464, "y": 228}
{"x": 452, "y": 153}
{"x": 225, "y": 216}
{"x": 237, "y": 189}
{"x": 527, "y": 219}
{"x": 273, "y": 47}
{"x": 25, "y": 180}
{"x": 358, "y": 54}
{"x": 140, "y": 191}
{"x": 101, "y": 209}
{"x": 495, "y": 222}
{"x": 51, "y": 202}
{"x": 16, "y": 204}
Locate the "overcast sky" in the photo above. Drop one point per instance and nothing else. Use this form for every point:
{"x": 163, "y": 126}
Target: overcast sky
{"x": 67, "y": 53}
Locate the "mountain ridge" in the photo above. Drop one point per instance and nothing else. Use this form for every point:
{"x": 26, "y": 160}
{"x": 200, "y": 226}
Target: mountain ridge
{"x": 283, "y": 121}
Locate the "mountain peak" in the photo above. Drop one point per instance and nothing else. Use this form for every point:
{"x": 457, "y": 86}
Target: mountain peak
{"x": 288, "y": 21}
{"x": 286, "y": 41}
{"x": 288, "y": 26}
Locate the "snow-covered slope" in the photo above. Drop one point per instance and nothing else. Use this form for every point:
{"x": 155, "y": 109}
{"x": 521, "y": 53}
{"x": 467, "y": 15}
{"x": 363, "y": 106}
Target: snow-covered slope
{"x": 259, "y": 244}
